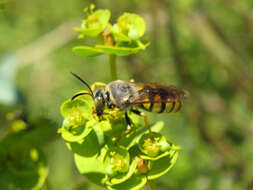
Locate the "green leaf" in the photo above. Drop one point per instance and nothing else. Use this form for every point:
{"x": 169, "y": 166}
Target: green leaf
{"x": 156, "y": 157}
{"x": 24, "y": 169}
{"x": 89, "y": 164}
{"x": 89, "y": 31}
{"x": 87, "y": 51}
{"x": 79, "y": 104}
{"x": 78, "y": 133}
{"x": 162, "y": 166}
{"x": 120, "y": 51}
{"x": 97, "y": 178}
{"x": 88, "y": 147}
{"x": 136, "y": 182}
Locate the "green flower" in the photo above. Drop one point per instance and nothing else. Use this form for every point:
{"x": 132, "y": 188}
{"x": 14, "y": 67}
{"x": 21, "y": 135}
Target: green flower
{"x": 78, "y": 121}
{"x": 95, "y": 23}
{"x": 156, "y": 148}
{"x": 129, "y": 27}
{"x": 151, "y": 147}
{"x": 118, "y": 160}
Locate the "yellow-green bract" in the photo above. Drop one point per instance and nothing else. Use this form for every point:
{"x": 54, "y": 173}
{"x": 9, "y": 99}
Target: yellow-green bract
{"x": 97, "y": 157}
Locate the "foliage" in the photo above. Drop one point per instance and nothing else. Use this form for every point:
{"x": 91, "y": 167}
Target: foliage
{"x": 23, "y": 163}
{"x": 121, "y": 38}
{"x": 102, "y": 152}
{"x": 203, "y": 46}
{"x": 125, "y": 165}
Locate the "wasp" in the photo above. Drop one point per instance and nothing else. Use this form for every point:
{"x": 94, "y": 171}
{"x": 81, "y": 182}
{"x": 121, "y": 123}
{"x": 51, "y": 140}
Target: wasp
{"x": 125, "y": 96}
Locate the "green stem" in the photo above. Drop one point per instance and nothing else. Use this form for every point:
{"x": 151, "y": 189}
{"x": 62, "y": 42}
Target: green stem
{"x": 152, "y": 185}
{"x": 113, "y": 68}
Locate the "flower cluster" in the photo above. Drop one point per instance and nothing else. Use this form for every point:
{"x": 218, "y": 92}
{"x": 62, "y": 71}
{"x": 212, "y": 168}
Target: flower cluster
{"x": 105, "y": 150}
{"x": 122, "y": 38}
{"x": 125, "y": 164}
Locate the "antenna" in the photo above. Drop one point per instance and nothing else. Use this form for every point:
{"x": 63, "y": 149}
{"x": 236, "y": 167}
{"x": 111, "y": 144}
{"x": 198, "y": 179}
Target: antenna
{"x": 79, "y": 94}
{"x": 86, "y": 84}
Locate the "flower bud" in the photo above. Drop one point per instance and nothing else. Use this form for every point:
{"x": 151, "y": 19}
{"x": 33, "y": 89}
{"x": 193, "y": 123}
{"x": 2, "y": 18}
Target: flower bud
{"x": 142, "y": 166}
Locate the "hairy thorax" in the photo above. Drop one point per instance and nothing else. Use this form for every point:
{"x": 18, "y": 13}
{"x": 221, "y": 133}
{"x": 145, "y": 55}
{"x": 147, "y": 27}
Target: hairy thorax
{"x": 121, "y": 93}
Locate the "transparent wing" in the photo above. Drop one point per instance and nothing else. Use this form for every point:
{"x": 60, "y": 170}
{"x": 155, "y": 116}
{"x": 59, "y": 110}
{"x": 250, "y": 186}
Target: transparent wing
{"x": 153, "y": 93}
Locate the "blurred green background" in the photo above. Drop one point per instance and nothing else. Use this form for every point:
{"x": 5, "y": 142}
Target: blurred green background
{"x": 206, "y": 47}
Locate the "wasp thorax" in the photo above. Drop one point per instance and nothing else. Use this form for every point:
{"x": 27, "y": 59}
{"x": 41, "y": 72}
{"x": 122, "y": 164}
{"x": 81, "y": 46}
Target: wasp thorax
{"x": 121, "y": 93}
{"x": 99, "y": 102}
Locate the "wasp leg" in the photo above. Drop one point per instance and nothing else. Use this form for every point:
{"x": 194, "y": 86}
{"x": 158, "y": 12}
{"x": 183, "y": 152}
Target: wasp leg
{"x": 145, "y": 121}
{"x": 97, "y": 84}
{"x": 128, "y": 130}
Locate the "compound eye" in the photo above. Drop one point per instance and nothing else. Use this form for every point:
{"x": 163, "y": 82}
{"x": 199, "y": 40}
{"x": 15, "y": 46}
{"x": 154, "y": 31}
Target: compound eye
{"x": 99, "y": 97}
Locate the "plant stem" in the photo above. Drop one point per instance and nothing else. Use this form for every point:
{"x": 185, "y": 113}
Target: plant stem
{"x": 152, "y": 185}
{"x": 113, "y": 68}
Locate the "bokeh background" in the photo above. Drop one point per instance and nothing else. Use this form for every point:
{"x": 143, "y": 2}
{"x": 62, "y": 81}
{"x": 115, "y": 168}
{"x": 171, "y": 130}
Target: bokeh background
{"x": 206, "y": 47}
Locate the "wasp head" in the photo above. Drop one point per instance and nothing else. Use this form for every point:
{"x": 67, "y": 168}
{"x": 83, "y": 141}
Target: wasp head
{"x": 98, "y": 97}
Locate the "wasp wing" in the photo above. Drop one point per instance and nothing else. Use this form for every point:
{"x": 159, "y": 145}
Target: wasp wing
{"x": 154, "y": 93}
{"x": 157, "y": 98}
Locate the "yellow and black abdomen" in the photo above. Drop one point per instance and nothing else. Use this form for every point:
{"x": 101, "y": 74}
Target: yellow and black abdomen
{"x": 162, "y": 107}
{"x": 160, "y": 99}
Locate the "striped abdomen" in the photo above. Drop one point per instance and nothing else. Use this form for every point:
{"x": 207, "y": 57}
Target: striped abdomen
{"x": 163, "y": 107}
{"x": 159, "y": 99}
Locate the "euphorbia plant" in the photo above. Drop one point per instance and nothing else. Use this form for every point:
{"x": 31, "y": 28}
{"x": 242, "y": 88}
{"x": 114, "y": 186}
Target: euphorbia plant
{"x": 120, "y": 39}
{"x": 135, "y": 159}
